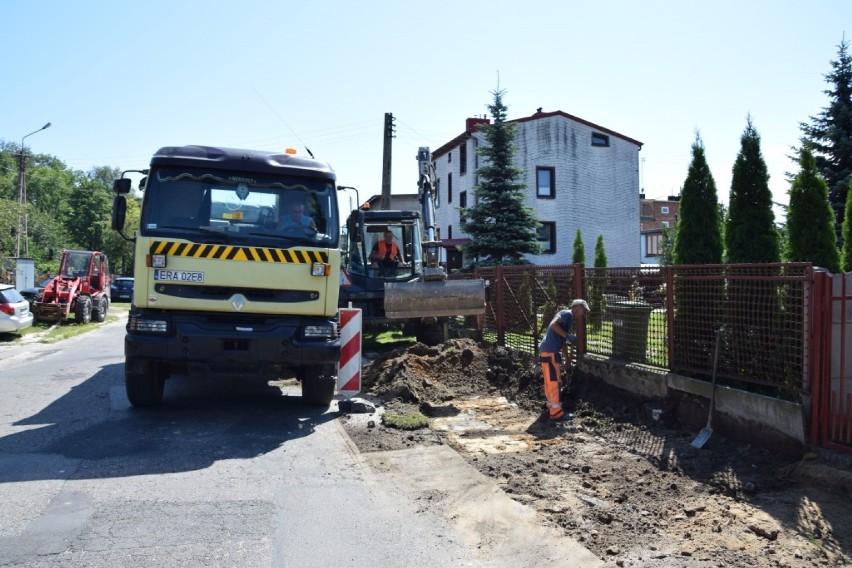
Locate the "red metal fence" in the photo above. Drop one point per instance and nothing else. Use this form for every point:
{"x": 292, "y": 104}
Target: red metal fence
{"x": 775, "y": 321}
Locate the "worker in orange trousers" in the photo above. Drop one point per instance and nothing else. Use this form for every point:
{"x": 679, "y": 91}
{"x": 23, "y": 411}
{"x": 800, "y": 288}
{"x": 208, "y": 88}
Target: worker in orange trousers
{"x": 550, "y": 358}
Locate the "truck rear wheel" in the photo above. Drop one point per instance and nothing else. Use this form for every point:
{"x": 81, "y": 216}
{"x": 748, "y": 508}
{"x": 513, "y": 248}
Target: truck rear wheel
{"x": 143, "y": 388}
{"x": 83, "y": 309}
{"x": 318, "y": 382}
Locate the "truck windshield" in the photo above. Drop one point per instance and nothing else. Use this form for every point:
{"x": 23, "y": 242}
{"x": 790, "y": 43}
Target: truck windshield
{"x": 239, "y": 207}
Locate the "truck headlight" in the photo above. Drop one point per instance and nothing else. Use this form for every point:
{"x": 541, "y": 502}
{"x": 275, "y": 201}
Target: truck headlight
{"x": 320, "y": 269}
{"x": 320, "y": 331}
{"x": 147, "y": 325}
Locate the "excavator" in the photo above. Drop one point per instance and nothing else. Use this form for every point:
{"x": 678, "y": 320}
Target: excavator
{"x": 414, "y": 290}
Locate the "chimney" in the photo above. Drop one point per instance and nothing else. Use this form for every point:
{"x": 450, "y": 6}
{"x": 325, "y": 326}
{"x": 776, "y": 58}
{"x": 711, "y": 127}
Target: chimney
{"x": 472, "y": 124}
{"x": 674, "y": 197}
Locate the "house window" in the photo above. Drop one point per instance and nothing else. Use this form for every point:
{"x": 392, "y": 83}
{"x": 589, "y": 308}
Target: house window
{"x": 664, "y": 224}
{"x": 664, "y": 210}
{"x": 449, "y": 188}
{"x": 463, "y": 159}
{"x": 652, "y": 244}
{"x": 463, "y": 205}
{"x": 545, "y": 182}
{"x": 599, "y": 139}
{"x": 449, "y": 231}
{"x": 547, "y": 237}
{"x": 449, "y": 157}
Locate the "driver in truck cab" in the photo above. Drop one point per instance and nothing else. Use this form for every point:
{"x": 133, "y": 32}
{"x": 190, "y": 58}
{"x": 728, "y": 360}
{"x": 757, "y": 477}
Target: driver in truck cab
{"x": 294, "y": 216}
{"x": 385, "y": 253}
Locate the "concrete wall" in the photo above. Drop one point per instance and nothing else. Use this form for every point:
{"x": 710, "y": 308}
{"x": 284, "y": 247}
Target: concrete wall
{"x": 750, "y": 418}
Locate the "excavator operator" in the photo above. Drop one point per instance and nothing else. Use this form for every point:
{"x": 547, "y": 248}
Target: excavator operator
{"x": 385, "y": 254}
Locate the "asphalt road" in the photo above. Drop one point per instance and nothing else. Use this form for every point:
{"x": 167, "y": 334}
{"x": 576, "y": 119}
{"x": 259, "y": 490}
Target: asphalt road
{"x": 222, "y": 474}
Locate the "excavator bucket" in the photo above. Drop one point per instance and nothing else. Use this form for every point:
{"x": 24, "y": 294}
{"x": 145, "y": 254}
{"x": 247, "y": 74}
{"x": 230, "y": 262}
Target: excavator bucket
{"x": 435, "y": 298}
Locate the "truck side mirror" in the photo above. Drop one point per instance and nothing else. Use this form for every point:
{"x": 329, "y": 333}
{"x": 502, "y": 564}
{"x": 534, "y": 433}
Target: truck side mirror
{"x": 121, "y": 186}
{"x": 352, "y": 229}
{"x": 119, "y": 211}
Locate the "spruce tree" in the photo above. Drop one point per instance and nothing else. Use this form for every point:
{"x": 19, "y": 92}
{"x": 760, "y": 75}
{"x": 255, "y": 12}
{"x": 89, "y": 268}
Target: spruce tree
{"x": 598, "y": 285}
{"x": 829, "y": 134}
{"x": 810, "y": 220}
{"x": 698, "y": 241}
{"x": 699, "y": 237}
{"x": 502, "y": 229}
{"x": 846, "y": 265}
{"x": 579, "y": 256}
{"x": 750, "y": 234}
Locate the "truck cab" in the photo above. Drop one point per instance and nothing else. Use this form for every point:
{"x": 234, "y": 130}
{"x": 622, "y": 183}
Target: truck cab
{"x": 236, "y": 270}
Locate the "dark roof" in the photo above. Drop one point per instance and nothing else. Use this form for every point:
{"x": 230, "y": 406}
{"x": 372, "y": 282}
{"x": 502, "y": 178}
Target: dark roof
{"x": 466, "y": 135}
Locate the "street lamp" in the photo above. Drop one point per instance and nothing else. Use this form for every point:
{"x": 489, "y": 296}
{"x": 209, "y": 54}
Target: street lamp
{"x": 22, "y": 197}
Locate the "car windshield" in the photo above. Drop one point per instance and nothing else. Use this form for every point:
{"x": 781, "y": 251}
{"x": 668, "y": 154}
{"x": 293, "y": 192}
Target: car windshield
{"x": 206, "y": 205}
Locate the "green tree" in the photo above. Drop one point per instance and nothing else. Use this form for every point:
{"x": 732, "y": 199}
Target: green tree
{"x": 667, "y": 246}
{"x": 750, "y": 234}
{"x": 829, "y": 134}
{"x": 847, "y": 233}
{"x": 91, "y": 204}
{"x": 502, "y": 229}
{"x": 598, "y": 285}
{"x": 810, "y": 220}
{"x": 699, "y": 236}
{"x": 579, "y": 256}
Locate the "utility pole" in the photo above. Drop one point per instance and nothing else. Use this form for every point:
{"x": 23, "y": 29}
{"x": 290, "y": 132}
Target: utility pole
{"x": 22, "y": 198}
{"x": 386, "y": 161}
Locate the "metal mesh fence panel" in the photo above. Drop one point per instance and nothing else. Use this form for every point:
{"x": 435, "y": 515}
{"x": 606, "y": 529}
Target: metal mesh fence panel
{"x": 666, "y": 317}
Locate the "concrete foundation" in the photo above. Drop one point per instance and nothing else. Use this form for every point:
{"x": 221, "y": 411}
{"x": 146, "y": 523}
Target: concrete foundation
{"x": 755, "y": 419}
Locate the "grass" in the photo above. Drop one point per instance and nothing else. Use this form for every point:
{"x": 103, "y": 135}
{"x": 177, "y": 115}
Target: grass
{"x": 48, "y": 332}
{"x": 404, "y": 418}
{"x": 384, "y": 339}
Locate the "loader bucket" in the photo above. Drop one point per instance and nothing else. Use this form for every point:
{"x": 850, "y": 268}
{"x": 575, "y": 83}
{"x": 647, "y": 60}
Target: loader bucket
{"x": 438, "y": 298}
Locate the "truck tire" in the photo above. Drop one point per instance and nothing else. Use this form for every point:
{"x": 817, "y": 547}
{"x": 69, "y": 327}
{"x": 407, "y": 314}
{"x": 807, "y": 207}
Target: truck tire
{"x": 318, "y": 382}
{"x": 83, "y": 309}
{"x": 99, "y": 310}
{"x": 143, "y": 389}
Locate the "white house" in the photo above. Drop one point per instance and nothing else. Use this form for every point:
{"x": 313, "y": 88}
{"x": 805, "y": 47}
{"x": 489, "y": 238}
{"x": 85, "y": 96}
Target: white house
{"x": 578, "y": 175}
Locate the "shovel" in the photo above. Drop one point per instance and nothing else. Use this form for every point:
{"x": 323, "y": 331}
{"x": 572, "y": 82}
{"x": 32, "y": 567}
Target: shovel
{"x": 707, "y": 431}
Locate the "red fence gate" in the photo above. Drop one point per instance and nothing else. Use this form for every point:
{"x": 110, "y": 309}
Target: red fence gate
{"x": 831, "y": 361}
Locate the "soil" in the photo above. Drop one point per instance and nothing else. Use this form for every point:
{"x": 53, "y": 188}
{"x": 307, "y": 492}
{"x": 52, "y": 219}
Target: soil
{"x": 620, "y": 478}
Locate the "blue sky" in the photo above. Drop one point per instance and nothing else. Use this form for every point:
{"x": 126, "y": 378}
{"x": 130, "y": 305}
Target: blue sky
{"x": 118, "y": 80}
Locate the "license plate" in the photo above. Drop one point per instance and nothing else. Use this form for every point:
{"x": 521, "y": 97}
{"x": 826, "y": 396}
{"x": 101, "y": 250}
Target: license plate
{"x": 178, "y": 275}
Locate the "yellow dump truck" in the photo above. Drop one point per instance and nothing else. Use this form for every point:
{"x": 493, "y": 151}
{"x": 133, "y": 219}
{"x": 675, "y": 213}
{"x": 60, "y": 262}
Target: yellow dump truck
{"x": 237, "y": 270}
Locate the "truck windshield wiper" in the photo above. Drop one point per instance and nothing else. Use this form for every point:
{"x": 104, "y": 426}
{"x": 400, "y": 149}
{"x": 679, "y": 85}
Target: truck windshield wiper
{"x": 220, "y": 234}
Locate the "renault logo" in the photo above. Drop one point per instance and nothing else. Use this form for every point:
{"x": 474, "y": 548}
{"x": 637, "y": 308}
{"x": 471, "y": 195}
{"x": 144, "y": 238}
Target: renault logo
{"x": 239, "y": 302}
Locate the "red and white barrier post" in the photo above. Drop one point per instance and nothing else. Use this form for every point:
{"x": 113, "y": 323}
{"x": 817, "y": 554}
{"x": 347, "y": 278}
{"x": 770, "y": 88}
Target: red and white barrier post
{"x": 349, "y": 372}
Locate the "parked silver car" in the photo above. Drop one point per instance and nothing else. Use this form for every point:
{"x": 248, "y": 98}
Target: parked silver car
{"x": 15, "y": 312}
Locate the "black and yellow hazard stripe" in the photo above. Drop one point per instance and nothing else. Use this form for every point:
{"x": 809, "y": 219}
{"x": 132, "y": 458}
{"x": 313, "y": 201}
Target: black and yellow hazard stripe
{"x": 229, "y": 252}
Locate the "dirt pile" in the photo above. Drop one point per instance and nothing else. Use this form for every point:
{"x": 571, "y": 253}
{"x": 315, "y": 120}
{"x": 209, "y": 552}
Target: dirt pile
{"x": 631, "y": 488}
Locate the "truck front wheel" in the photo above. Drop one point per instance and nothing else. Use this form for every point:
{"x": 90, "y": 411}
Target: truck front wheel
{"x": 318, "y": 382}
{"x": 143, "y": 388}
